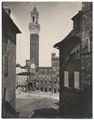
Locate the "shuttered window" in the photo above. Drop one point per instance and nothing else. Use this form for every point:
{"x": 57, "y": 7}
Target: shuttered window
{"x": 76, "y": 80}
{"x": 66, "y": 77}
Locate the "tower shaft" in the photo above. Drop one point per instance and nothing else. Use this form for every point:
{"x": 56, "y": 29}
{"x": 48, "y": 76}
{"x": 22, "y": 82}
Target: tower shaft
{"x": 34, "y": 49}
{"x": 34, "y": 28}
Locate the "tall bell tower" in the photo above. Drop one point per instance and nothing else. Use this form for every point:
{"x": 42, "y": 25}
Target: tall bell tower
{"x": 34, "y": 28}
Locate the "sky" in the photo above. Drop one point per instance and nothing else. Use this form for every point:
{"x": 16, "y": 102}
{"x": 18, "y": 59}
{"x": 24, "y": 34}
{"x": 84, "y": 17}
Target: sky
{"x": 55, "y": 23}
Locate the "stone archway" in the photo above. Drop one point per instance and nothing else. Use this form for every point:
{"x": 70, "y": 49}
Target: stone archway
{"x": 45, "y": 90}
{"x": 41, "y": 89}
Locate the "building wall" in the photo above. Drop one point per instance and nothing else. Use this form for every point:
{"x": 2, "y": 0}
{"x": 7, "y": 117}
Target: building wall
{"x": 55, "y": 72}
{"x": 9, "y": 31}
{"x": 86, "y": 72}
{"x": 22, "y": 76}
{"x": 9, "y": 61}
{"x": 86, "y": 45}
{"x": 86, "y": 24}
{"x": 77, "y": 106}
{"x": 85, "y": 35}
{"x": 46, "y": 78}
{"x": 11, "y": 51}
{"x": 44, "y": 82}
{"x": 41, "y": 79}
{"x": 69, "y": 62}
{"x": 21, "y": 82}
{"x": 73, "y": 67}
{"x": 4, "y": 65}
{"x": 69, "y": 77}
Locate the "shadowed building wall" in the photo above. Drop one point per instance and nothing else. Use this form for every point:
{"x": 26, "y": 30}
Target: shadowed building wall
{"x": 9, "y": 31}
{"x": 76, "y": 66}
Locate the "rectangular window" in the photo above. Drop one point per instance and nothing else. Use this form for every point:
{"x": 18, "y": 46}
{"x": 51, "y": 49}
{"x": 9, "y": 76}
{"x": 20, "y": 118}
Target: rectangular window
{"x": 71, "y": 79}
{"x": 66, "y": 79}
{"x": 76, "y": 80}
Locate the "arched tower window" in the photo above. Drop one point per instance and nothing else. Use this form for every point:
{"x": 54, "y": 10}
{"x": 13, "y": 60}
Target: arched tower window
{"x": 33, "y": 19}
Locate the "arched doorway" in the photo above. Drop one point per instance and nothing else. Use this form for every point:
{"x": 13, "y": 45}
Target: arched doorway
{"x": 37, "y": 88}
{"x": 30, "y": 87}
{"x": 41, "y": 88}
{"x": 49, "y": 89}
{"x": 45, "y": 89}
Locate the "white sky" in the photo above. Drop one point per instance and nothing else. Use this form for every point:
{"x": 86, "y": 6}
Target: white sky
{"x": 55, "y": 23}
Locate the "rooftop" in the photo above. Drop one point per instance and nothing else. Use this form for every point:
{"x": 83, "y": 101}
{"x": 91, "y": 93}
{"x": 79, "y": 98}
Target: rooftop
{"x": 71, "y": 37}
{"x": 8, "y": 21}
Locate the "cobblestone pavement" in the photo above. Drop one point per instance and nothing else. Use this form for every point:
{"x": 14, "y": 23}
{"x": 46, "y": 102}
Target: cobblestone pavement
{"x": 37, "y": 107}
{"x": 20, "y": 94}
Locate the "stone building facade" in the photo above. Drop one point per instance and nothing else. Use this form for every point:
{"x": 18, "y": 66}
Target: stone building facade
{"x": 76, "y": 66}
{"x": 22, "y": 76}
{"x": 44, "y": 79}
{"x": 9, "y": 31}
{"x": 55, "y": 72}
{"x": 21, "y": 81}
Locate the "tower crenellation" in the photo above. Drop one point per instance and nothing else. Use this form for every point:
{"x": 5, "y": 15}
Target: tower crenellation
{"x": 34, "y": 26}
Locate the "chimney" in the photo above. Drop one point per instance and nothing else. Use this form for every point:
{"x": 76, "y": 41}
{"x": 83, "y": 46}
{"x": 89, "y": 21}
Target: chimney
{"x": 53, "y": 55}
{"x": 8, "y": 11}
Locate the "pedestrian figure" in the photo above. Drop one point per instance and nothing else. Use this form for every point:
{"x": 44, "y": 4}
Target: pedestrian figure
{"x": 29, "y": 88}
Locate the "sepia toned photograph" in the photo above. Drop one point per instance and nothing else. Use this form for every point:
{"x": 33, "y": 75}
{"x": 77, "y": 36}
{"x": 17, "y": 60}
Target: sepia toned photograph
{"x": 47, "y": 59}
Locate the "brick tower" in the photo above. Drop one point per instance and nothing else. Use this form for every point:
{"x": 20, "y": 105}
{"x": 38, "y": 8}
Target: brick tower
{"x": 34, "y": 28}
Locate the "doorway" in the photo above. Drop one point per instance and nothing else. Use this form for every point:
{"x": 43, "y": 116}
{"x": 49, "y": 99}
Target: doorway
{"x": 30, "y": 87}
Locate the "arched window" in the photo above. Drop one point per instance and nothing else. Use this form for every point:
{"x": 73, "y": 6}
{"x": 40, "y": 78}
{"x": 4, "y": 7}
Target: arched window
{"x": 33, "y": 19}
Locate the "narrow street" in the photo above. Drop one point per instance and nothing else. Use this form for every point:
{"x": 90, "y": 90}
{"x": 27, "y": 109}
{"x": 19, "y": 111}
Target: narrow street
{"x": 37, "y": 107}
